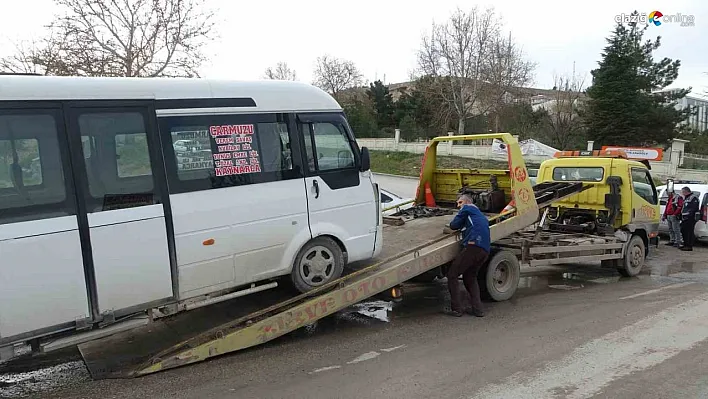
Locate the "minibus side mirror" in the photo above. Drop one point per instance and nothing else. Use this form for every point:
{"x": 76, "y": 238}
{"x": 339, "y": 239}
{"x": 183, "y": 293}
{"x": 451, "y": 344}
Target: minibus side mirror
{"x": 365, "y": 159}
{"x": 670, "y": 186}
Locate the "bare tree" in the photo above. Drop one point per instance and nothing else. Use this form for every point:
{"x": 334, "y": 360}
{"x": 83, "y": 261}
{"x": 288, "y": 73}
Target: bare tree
{"x": 138, "y": 38}
{"x": 506, "y": 71}
{"x": 334, "y": 75}
{"x": 429, "y": 93}
{"x": 281, "y": 72}
{"x": 562, "y": 117}
{"x": 31, "y": 56}
{"x": 21, "y": 60}
{"x": 481, "y": 64}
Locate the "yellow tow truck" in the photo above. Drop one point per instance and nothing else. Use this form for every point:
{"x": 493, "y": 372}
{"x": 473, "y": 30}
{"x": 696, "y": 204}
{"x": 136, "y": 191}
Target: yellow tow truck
{"x": 417, "y": 247}
{"x": 620, "y": 200}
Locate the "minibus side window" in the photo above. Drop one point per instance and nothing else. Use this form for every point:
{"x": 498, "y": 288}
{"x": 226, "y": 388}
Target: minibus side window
{"x": 191, "y": 147}
{"x": 27, "y": 151}
{"x": 33, "y": 161}
{"x": 275, "y": 147}
{"x": 117, "y": 159}
{"x": 306, "y": 130}
{"x": 215, "y": 151}
{"x": 132, "y": 155}
{"x": 331, "y": 145}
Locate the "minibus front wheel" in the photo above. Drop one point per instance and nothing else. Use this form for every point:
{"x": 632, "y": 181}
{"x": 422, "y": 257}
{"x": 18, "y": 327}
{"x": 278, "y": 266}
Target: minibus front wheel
{"x": 319, "y": 262}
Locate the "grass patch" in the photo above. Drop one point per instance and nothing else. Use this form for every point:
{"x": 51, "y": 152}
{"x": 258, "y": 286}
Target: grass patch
{"x": 408, "y": 164}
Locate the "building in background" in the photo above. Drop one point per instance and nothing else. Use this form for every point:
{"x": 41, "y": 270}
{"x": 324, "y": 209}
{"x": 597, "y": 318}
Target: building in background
{"x": 699, "y": 120}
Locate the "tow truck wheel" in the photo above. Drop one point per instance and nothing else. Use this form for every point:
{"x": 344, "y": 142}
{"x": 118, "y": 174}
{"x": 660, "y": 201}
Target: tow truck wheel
{"x": 319, "y": 262}
{"x": 634, "y": 257}
{"x": 499, "y": 279}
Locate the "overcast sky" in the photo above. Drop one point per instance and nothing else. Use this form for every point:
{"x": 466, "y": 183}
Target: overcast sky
{"x": 382, "y": 36}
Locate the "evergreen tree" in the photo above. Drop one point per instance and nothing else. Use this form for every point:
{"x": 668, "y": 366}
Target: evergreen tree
{"x": 409, "y": 129}
{"x": 624, "y": 107}
{"x": 383, "y": 103}
{"x": 361, "y": 117}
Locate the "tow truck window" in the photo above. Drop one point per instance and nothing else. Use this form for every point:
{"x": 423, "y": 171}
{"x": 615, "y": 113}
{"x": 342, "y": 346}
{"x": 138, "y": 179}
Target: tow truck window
{"x": 643, "y": 185}
{"x": 578, "y": 174}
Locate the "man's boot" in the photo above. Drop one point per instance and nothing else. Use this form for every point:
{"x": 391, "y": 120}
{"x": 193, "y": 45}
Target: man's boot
{"x": 475, "y": 312}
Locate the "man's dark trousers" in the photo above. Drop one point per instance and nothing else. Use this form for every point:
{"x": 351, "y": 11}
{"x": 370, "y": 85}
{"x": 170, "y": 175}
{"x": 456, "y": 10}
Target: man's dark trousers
{"x": 467, "y": 263}
{"x": 688, "y": 231}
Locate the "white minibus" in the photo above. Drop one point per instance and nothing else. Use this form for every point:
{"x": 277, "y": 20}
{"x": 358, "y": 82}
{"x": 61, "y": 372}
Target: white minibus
{"x": 125, "y": 195}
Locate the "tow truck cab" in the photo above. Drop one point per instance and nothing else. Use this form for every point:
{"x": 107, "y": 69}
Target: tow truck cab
{"x": 622, "y": 194}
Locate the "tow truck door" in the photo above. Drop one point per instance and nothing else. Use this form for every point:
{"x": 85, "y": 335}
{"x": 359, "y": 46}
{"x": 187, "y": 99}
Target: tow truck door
{"x": 645, "y": 200}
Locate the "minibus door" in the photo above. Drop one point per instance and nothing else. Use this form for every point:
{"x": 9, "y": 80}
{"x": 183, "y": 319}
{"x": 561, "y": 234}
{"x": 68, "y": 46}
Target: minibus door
{"x": 341, "y": 199}
{"x": 123, "y": 194}
{"x": 41, "y": 270}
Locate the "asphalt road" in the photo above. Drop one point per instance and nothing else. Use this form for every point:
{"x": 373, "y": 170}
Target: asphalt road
{"x": 403, "y": 186}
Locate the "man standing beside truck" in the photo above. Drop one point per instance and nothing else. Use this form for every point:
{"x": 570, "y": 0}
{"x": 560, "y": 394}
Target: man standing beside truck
{"x": 476, "y": 244}
{"x": 691, "y": 205}
{"x": 672, "y": 215}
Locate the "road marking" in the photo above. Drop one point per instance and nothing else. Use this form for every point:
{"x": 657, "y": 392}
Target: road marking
{"x": 393, "y": 349}
{"x": 362, "y": 358}
{"x": 678, "y": 285}
{"x": 315, "y": 371}
{"x": 594, "y": 365}
{"x": 366, "y": 356}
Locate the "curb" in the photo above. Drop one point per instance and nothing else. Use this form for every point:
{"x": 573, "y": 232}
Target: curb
{"x": 398, "y": 176}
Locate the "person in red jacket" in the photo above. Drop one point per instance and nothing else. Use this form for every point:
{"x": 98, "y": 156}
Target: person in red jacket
{"x": 672, "y": 215}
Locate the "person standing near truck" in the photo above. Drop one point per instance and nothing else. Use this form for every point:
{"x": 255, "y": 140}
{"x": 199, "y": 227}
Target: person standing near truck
{"x": 672, "y": 215}
{"x": 688, "y": 218}
{"x": 476, "y": 244}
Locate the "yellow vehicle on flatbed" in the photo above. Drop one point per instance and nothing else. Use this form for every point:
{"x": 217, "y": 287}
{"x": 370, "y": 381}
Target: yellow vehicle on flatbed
{"x": 416, "y": 248}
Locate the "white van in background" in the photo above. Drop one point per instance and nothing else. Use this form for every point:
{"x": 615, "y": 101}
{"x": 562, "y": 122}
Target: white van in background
{"x": 701, "y": 191}
{"x": 392, "y": 203}
{"x": 122, "y": 195}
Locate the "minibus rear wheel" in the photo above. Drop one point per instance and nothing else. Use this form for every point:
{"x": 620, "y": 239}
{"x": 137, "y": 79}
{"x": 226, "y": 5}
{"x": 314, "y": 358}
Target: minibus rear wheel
{"x": 319, "y": 262}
